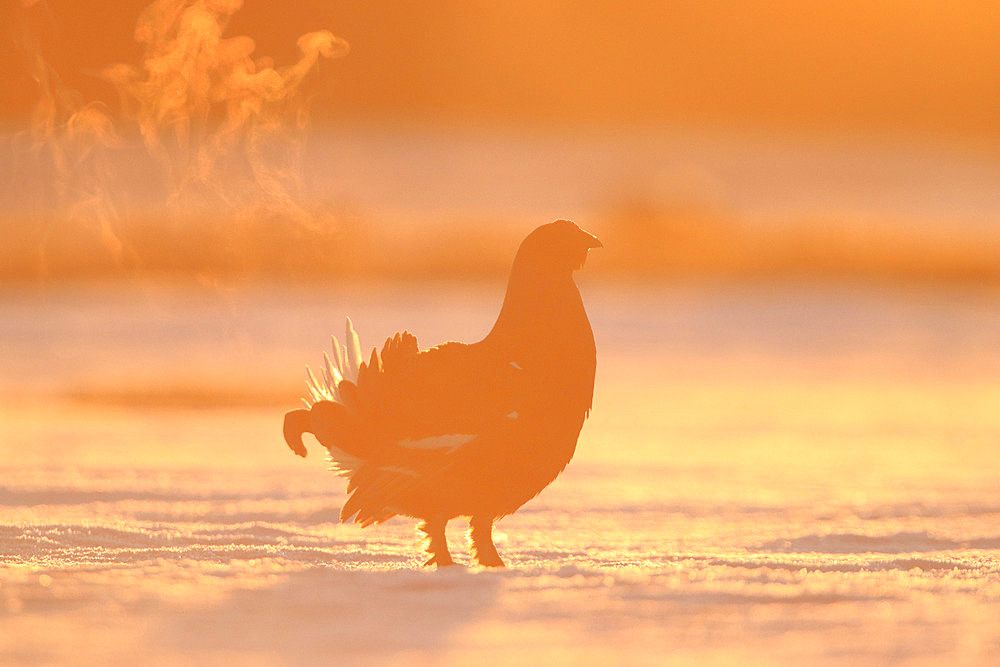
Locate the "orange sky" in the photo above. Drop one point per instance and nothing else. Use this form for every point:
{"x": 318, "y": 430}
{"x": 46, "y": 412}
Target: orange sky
{"x": 926, "y": 65}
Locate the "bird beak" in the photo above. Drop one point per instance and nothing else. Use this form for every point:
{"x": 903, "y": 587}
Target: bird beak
{"x": 592, "y": 241}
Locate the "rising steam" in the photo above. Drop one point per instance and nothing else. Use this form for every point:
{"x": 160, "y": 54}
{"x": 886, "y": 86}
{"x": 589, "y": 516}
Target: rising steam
{"x": 220, "y": 129}
{"x": 209, "y": 112}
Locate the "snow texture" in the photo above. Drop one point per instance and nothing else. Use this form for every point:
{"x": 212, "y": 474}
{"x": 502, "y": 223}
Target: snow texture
{"x": 784, "y": 476}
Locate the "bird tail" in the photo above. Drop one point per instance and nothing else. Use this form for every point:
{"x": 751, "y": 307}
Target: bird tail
{"x": 344, "y": 365}
{"x": 331, "y": 424}
{"x": 325, "y": 414}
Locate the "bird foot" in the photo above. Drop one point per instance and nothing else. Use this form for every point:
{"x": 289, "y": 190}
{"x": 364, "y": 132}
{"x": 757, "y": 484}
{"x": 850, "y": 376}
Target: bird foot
{"x": 481, "y": 541}
{"x": 439, "y": 561}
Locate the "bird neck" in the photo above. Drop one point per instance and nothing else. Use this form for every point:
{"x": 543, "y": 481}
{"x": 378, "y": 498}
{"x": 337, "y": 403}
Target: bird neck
{"x": 539, "y": 303}
{"x": 543, "y": 329}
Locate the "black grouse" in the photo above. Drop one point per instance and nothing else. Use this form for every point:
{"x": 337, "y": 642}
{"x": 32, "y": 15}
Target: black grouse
{"x": 459, "y": 429}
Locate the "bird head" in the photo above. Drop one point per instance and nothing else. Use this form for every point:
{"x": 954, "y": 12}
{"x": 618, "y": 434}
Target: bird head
{"x": 558, "y": 246}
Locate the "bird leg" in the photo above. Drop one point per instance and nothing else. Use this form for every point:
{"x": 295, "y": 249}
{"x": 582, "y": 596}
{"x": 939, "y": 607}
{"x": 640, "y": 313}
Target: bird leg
{"x": 481, "y": 537}
{"x": 437, "y": 544}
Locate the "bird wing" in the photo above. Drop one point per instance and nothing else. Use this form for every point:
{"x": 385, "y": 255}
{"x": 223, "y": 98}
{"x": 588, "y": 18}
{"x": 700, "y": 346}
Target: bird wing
{"x": 405, "y": 420}
{"x": 449, "y": 389}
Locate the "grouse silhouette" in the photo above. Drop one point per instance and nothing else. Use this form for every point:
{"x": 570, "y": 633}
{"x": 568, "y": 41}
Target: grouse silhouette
{"x": 473, "y": 430}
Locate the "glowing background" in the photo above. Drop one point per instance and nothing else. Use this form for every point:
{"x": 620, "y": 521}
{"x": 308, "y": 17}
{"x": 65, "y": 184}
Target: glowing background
{"x": 793, "y": 448}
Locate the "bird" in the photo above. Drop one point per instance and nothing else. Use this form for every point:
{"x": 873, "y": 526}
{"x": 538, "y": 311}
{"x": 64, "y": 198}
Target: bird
{"x": 463, "y": 430}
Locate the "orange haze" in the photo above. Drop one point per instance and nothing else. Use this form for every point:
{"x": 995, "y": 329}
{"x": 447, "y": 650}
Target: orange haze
{"x": 929, "y": 65}
{"x": 174, "y": 137}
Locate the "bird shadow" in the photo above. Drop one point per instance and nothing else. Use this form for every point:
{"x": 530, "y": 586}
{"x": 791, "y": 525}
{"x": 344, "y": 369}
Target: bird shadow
{"x": 327, "y": 614}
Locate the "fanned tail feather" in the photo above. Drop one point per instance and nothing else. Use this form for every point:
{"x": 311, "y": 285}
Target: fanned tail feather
{"x": 329, "y": 422}
{"x": 344, "y": 365}
{"x": 333, "y": 405}
{"x": 296, "y": 424}
{"x": 337, "y": 372}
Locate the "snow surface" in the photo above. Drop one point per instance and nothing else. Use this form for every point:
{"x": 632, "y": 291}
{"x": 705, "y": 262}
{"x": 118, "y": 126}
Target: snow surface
{"x": 769, "y": 475}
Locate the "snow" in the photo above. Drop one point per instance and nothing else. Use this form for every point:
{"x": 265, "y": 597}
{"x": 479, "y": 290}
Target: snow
{"x": 769, "y": 474}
